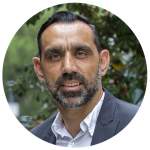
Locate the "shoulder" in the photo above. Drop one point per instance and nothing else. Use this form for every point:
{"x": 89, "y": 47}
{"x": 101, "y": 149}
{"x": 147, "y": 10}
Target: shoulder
{"x": 45, "y": 125}
{"x": 125, "y": 108}
{"x": 124, "y": 112}
{"x": 118, "y": 109}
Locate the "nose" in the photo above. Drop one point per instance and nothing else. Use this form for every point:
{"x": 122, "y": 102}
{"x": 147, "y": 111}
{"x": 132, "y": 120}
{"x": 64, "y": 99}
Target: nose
{"x": 69, "y": 64}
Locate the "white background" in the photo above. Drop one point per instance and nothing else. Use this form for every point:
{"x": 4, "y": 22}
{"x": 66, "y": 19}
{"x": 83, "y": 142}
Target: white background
{"x": 13, "y": 13}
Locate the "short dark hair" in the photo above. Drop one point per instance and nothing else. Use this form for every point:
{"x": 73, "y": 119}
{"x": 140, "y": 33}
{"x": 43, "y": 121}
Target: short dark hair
{"x": 68, "y": 17}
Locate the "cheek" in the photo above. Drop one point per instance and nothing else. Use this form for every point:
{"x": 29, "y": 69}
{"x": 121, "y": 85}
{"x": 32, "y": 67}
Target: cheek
{"x": 51, "y": 74}
{"x": 89, "y": 69}
{"x": 93, "y": 71}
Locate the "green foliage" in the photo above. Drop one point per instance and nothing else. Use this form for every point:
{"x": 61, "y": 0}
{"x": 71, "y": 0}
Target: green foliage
{"x": 126, "y": 73}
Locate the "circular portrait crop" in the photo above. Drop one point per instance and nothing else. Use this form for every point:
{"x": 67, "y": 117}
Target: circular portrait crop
{"x": 74, "y": 75}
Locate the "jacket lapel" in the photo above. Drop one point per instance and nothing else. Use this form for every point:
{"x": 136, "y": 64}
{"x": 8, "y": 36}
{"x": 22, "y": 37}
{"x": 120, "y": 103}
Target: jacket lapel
{"x": 106, "y": 124}
{"x": 49, "y": 136}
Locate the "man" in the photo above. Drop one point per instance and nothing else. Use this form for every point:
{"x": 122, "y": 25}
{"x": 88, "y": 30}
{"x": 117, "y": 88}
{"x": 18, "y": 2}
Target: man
{"x": 71, "y": 64}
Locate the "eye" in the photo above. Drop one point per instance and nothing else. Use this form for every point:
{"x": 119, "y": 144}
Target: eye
{"x": 81, "y": 54}
{"x": 55, "y": 57}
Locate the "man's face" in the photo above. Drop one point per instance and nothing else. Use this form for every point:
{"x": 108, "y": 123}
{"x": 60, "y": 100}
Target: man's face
{"x": 70, "y": 63}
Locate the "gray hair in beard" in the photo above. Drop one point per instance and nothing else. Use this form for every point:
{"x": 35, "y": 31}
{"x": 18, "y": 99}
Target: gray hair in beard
{"x": 67, "y": 99}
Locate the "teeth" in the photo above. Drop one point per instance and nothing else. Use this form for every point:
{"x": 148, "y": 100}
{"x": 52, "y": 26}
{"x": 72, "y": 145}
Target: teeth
{"x": 71, "y": 84}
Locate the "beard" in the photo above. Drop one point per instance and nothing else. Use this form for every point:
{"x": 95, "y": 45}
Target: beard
{"x": 74, "y": 99}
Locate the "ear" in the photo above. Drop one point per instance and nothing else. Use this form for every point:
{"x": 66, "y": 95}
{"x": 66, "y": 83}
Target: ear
{"x": 104, "y": 59}
{"x": 38, "y": 68}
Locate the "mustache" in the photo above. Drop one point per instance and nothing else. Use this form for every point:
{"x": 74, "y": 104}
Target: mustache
{"x": 70, "y": 76}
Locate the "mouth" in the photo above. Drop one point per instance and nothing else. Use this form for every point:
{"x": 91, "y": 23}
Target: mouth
{"x": 71, "y": 85}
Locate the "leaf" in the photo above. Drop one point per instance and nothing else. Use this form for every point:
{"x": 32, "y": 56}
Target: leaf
{"x": 118, "y": 67}
{"x": 33, "y": 19}
{"x": 94, "y": 15}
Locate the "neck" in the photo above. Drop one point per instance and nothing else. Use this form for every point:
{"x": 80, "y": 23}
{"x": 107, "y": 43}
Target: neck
{"x": 73, "y": 117}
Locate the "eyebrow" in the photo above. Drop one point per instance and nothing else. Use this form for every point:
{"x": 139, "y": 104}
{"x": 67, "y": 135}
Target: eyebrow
{"x": 52, "y": 49}
{"x": 76, "y": 47}
{"x": 82, "y": 47}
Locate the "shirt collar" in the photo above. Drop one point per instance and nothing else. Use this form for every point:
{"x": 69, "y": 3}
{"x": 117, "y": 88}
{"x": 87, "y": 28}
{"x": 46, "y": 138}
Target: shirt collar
{"x": 91, "y": 119}
{"x": 58, "y": 127}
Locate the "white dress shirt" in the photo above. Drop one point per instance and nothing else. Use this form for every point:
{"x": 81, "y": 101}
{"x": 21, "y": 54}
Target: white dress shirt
{"x": 84, "y": 137}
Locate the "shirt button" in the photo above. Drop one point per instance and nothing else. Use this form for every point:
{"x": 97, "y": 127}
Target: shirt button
{"x": 72, "y": 142}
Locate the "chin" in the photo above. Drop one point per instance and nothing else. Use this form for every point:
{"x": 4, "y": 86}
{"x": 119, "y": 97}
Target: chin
{"x": 72, "y": 102}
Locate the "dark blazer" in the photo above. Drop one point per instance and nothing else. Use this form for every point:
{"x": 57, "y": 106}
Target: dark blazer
{"x": 114, "y": 116}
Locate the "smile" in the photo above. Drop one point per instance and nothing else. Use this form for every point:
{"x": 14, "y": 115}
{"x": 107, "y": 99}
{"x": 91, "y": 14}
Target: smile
{"x": 72, "y": 84}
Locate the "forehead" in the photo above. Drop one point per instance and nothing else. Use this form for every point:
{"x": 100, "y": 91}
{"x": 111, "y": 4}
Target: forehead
{"x": 60, "y": 33}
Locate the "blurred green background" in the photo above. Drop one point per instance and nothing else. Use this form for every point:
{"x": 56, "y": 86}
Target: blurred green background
{"x": 126, "y": 77}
